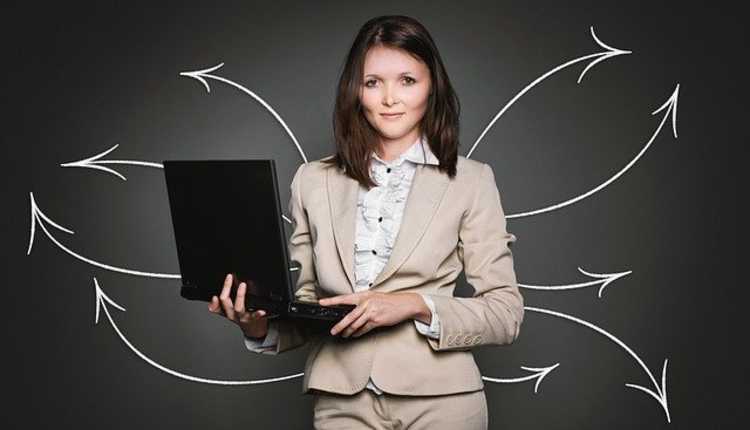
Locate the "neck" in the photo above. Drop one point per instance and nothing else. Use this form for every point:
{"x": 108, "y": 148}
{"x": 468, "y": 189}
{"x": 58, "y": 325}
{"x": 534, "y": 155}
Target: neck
{"x": 391, "y": 149}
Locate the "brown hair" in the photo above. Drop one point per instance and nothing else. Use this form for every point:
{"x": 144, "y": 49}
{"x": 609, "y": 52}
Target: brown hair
{"x": 355, "y": 137}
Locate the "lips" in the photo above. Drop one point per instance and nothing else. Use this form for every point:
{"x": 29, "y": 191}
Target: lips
{"x": 394, "y": 115}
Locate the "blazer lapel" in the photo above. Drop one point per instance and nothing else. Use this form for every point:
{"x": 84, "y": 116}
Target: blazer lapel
{"x": 342, "y": 201}
{"x": 427, "y": 190}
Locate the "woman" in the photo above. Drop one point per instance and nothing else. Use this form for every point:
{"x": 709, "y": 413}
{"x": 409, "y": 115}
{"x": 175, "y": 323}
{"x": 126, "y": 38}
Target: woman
{"x": 387, "y": 224}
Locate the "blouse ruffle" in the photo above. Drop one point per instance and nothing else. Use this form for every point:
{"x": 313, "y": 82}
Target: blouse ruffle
{"x": 387, "y": 201}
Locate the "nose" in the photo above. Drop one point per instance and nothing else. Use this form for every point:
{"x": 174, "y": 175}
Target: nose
{"x": 389, "y": 97}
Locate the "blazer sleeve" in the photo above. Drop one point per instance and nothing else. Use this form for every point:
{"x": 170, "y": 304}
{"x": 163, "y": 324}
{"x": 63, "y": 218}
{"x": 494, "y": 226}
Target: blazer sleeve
{"x": 494, "y": 314}
{"x": 290, "y": 334}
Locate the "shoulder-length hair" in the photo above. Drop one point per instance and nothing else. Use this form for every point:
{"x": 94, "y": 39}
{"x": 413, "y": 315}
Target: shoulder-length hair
{"x": 355, "y": 138}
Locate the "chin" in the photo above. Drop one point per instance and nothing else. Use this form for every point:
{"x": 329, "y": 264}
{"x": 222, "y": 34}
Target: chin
{"x": 391, "y": 132}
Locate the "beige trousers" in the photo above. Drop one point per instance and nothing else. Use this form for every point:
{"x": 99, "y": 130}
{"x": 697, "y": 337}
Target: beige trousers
{"x": 367, "y": 410}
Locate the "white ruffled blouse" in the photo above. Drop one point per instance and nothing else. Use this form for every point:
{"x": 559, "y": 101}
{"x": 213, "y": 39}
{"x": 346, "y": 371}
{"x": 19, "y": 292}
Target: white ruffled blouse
{"x": 379, "y": 214}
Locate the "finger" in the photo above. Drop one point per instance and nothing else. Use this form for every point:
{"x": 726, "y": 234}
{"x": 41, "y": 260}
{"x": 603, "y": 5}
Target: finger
{"x": 351, "y": 316}
{"x": 341, "y": 299}
{"x": 364, "y": 329}
{"x": 356, "y": 324}
{"x": 213, "y": 306}
{"x": 226, "y": 303}
{"x": 227, "y": 286}
{"x": 328, "y": 301}
{"x": 239, "y": 301}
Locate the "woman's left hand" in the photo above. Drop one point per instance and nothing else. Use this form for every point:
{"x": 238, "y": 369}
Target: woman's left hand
{"x": 374, "y": 309}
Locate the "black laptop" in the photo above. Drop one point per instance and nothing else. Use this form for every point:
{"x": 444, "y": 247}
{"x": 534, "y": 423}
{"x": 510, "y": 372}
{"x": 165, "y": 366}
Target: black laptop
{"x": 227, "y": 218}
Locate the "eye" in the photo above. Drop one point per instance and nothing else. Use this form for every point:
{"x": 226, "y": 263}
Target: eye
{"x": 410, "y": 79}
{"x": 368, "y": 81}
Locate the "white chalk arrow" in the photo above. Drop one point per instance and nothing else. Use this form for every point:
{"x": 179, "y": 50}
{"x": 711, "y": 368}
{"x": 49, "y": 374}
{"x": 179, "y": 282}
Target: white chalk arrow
{"x": 202, "y": 75}
{"x": 95, "y": 163}
{"x": 540, "y": 373}
{"x": 660, "y": 393}
{"x": 101, "y": 303}
{"x": 609, "y": 52}
{"x": 671, "y": 112}
{"x": 602, "y": 278}
{"x": 37, "y": 216}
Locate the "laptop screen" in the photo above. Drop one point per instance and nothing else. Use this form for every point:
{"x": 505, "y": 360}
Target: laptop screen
{"x": 226, "y": 216}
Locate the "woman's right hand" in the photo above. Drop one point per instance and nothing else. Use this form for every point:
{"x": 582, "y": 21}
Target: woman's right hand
{"x": 253, "y": 324}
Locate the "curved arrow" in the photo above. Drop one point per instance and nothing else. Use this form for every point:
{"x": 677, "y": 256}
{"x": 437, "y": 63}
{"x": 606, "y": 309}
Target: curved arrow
{"x": 37, "y": 216}
{"x": 609, "y": 52}
{"x": 671, "y": 111}
{"x": 95, "y": 163}
{"x": 202, "y": 75}
{"x": 604, "y": 279}
{"x": 661, "y": 391}
{"x": 101, "y": 302}
{"x": 541, "y": 373}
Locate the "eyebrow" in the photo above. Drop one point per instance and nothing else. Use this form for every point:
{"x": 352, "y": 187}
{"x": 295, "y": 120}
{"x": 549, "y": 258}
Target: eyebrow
{"x": 402, "y": 74}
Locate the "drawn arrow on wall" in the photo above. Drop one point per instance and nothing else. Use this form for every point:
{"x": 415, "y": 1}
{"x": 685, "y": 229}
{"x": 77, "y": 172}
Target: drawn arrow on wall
{"x": 202, "y": 75}
{"x": 94, "y": 162}
{"x": 661, "y": 390}
{"x": 602, "y": 278}
{"x": 37, "y": 216}
{"x": 540, "y": 373}
{"x": 101, "y": 303}
{"x": 671, "y": 112}
{"x": 609, "y": 52}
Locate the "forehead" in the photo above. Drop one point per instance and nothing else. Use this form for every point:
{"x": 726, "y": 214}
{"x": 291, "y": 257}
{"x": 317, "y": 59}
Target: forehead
{"x": 386, "y": 61}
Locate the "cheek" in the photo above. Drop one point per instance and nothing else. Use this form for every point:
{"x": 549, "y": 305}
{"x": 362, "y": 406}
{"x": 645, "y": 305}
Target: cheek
{"x": 417, "y": 101}
{"x": 369, "y": 101}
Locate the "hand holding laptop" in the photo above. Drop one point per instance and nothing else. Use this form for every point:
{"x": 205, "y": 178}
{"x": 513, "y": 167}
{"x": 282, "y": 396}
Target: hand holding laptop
{"x": 252, "y": 323}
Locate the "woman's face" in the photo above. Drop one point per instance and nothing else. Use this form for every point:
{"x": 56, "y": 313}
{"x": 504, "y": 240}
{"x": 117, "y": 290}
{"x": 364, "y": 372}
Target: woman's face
{"x": 394, "y": 82}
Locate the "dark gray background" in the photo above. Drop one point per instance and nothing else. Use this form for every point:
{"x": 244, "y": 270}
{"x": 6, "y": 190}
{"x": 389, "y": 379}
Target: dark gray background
{"x": 80, "y": 79}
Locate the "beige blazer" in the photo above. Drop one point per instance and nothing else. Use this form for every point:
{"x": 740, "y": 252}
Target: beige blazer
{"x": 448, "y": 225}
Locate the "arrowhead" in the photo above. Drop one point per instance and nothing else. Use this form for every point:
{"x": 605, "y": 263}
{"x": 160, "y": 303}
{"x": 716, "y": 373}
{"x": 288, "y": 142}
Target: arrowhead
{"x": 661, "y": 392}
{"x": 199, "y": 75}
{"x": 610, "y": 277}
{"x": 101, "y": 297}
{"x": 609, "y": 53}
{"x": 671, "y": 106}
{"x": 36, "y": 216}
{"x": 90, "y": 163}
{"x": 542, "y": 372}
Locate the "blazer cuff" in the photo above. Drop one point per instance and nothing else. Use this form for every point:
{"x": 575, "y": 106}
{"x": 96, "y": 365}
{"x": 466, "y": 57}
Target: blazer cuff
{"x": 266, "y": 345}
{"x": 433, "y": 329}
